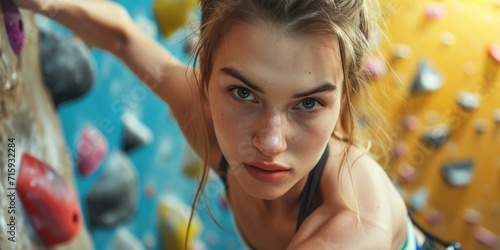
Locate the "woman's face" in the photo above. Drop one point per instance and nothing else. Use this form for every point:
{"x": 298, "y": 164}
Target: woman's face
{"x": 274, "y": 100}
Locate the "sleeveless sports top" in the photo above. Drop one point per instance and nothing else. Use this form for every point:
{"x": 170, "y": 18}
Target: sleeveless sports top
{"x": 308, "y": 192}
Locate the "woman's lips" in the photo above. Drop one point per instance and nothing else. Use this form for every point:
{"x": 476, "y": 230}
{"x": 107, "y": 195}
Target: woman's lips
{"x": 273, "y": 172}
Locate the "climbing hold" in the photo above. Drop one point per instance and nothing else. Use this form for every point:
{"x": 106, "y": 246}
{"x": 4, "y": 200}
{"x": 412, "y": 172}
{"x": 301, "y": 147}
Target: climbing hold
{"x": 135, "y": 133}
{"x": 407, "y": 172}
{"x": 13, "y": 25}
{"x": 471, "y": 216}
{"x": 433, "y": 217}
{"x": 150, "y": 190}
{"x": 376, "y": 67}
{"x": 419, "y": 199}
{"x": 411, "y": 123}
{"x": 67, "y": 66}
{"x": 198, "y": 245}
{"x": 435, "y": 11}
{"x": 436, "y": 136}
{"x": 173, "y": 216}
{"x": 172, "y": 14}
{"x": 480, "y": 126}
{"x": 193, "y": 165}
{"x": 497, "y": 116}
{"x": 125, "y": 240}
{"x": 113, "y": 199}
{"x": 458, "y": 174}
{"x": 402, "y": 51}
{"x": 400, "y": 149}
{"x": 468, "y": 101}
{"x": 223, "y": 200}
{"x": 486, "y": 237}
{"x": 469, "y": 68}
{"x": 149, "y": 240}
{"x": 92, "y": 148}
{"x": 428, "y": 79}
{"x": 494, "y": 51}
{"x": 50, "y": 204}
{"x": 447, "y": 38}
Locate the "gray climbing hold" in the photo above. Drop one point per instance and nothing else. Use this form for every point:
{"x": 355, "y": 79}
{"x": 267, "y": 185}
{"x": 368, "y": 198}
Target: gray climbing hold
{"x": 458, "y": 174}
{"x": 468, "y": 101}
{"x": 428, "y": 79}
{"x": 135, "y": 133}
{"x": 436, "y": 136}
{"x": 66, "y": 64}
{"x": 125, "y": 240}
{"x": 497, "y": 116}
{"x": 419, "y": 199}
{"x": 113, "y": 199}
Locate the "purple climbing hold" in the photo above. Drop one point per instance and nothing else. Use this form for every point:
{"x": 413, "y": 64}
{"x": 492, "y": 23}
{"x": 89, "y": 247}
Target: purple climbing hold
{"x": 92, "y": 148}
{"x": 458, "y": 174}
{"x": 13, "y": 25}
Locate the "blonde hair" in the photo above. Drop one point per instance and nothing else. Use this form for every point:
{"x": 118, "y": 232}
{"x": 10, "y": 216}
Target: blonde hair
{"x": 355, "y": 23}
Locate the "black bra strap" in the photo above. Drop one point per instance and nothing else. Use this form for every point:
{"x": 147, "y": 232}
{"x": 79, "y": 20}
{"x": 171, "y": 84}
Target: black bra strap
{"x": 310, "y": 189}
{"x": 223, "y": 171}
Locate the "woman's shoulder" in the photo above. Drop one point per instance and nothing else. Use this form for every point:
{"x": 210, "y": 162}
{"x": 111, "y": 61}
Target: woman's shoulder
{"x": 358, "y": 186}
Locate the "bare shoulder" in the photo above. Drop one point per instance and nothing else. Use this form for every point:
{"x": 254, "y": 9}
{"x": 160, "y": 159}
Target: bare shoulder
{"x": 357, "y": 184}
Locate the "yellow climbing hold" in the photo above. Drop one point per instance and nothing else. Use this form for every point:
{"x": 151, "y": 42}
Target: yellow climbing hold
{"x": 173, "y": 216}
{"x": 193, "y": 165}
{"x": 172, "y": 14}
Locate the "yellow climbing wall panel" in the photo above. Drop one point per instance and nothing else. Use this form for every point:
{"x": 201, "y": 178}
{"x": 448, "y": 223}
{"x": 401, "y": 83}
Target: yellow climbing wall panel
{"x": 443, "y": 61}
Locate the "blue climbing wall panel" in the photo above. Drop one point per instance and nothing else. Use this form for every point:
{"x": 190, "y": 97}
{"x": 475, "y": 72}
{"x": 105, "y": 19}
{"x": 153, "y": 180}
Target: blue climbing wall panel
{"x": 117, "y": 91}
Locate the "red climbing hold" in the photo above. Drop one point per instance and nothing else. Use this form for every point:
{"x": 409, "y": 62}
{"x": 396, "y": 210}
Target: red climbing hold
{"x": 50, "y": 204}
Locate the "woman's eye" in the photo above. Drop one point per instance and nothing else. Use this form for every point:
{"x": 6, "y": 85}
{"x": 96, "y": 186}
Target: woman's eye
{"x": 243, "y": 94}
{"x": 309, "y": 105}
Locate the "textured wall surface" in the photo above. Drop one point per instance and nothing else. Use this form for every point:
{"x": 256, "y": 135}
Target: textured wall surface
{"x": 444, "y": 67}
{"x": 28, "y": 115}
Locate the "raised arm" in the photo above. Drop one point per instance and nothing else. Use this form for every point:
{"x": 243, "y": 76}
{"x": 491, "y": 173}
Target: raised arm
{"x": 108, "y": 26}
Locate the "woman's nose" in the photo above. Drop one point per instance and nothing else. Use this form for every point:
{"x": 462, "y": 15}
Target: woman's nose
{"x": 270, "y": 137}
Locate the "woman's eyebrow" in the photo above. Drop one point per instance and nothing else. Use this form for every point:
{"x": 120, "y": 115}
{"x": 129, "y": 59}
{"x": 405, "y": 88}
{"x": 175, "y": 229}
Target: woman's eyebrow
{"x": 325, "y": 87}
{"x": 238, "y": 75}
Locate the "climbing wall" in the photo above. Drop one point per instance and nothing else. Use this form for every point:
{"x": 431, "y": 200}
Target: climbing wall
{"x": 443, "y": 63}
{"x": 84, "y": 116}
{"x": 30, "y": 139}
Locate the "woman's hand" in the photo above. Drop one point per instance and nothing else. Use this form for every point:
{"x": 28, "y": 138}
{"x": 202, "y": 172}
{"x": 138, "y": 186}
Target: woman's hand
{"x": 34, "y": 5}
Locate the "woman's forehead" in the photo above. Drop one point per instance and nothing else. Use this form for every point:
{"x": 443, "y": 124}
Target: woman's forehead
{"x": 263, "y": 51}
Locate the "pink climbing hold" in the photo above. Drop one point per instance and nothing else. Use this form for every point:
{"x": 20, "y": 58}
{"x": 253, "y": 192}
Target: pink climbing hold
{"x": 223, "y": 201}
{"x": 376, "y": 67}
{"x": 486, "y": 237}
{"x": 13, "y": 25}
{"x": 434, "y": 217}
{"x": 435, "y": 11}
{"x": 407, "y": 172}
{"x": 494, "y": 51}
{"x": 411, "y": 123}
{"x": 92, "y": 148}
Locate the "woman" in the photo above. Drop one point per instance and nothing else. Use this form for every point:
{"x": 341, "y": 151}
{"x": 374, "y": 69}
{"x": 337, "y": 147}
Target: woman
{"x": 280, "y": 88}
